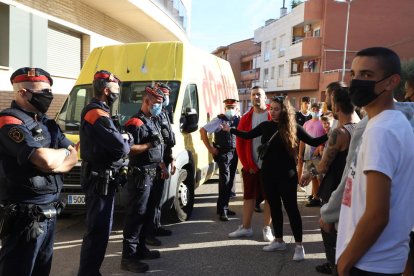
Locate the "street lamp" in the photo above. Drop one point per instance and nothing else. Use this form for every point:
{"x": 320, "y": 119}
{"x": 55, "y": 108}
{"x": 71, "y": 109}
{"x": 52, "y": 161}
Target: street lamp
{"x": 346, "y": 35}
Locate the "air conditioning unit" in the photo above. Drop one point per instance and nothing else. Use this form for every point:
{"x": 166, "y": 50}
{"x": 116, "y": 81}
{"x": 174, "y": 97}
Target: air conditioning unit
{"x": 307, "y": 28}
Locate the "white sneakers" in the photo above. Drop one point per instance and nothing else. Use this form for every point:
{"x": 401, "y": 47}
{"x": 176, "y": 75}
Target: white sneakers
{"x": 299, "y": 253}
{"x": 267, "y": 234}
{"x": 278, "y": 246}
{"x": 275, "y": 246}
{"x": 301, "y": 189}
{"x": 241, "y": 232}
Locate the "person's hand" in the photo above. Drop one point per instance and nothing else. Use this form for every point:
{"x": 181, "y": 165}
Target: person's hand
{"x": 305, "y": 179}
{"x": 77, "y": 146}
{"x": 214, "y": 151}
{"x": 173, "y": 168}
{"x": 164, "y": 171}
{"x": 326, "y": 227}
{"x": 225, "y": 127}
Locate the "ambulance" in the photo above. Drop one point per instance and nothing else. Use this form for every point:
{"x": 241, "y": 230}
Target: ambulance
{"x": 199, "y": 82}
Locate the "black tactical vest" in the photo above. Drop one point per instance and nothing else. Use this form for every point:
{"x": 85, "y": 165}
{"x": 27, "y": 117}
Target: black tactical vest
{"x": 224, "y": 140}
{"x": 166, "y": 131}
{"x": 22, "y": 182}
{"x": 154, "y": 155}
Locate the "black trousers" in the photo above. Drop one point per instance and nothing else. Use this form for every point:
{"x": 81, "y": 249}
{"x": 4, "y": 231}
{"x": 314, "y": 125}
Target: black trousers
{"x": 227, "y": 163}
{"x": 329, "y": 242}
{"x": 138, "y": 214}
{"x": 276, "y": 192}
{"x": 358, "y": 272}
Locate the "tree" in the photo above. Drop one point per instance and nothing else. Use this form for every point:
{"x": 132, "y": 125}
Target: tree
{"x": 296, "y": 3}
{"x": 407, "y": 71}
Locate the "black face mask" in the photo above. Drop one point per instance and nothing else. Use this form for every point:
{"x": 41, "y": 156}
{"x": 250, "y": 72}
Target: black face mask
{"x": 41, "y": 101}
{"x": 112, "y": 98}
{"x": 362, "y": 92}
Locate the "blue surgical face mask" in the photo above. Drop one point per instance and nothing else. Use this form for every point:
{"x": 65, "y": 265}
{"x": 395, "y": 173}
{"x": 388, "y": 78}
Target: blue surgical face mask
{"x": 230, "y": 113}
{"x": 156, "y": 109}
{"x": 315, "y": 115}
{"x": 166, "y": 101}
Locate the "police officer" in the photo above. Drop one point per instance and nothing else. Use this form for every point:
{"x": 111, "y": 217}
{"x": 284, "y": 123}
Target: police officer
{"x": 154, "y": 228}
{"x": 145, "y": 162}
{"x": 223, "y": 151}
{"x": 33, "y": 155}
{"x": 103, "y": 148}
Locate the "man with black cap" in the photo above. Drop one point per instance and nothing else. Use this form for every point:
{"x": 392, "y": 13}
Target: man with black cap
{"x": 103, "y": 149}
{"x": 33, "y": 155}
{"x": 145, "y": 165}
{"x": 154, "y": 228}
{"x": 223, "y": 151}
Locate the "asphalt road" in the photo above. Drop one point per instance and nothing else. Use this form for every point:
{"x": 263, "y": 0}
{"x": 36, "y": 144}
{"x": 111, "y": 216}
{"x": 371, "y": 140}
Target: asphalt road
{"x": 200, "y": 246}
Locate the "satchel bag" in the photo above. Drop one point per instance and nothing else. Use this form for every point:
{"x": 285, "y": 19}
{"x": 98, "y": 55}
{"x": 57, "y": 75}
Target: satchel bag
{"x": 263, "y": 148}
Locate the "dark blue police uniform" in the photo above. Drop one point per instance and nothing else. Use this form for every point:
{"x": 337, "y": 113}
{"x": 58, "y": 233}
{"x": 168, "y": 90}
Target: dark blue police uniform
{"x": 102, "y": 150}
{"x": 142, "y": 172}
{"x": 169, "y": 141}
{"x": 227, "y": 160}
{"x": 28, "y": 248}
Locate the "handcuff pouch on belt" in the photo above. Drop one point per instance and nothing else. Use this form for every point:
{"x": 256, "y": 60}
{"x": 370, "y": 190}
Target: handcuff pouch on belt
{"x": 29, "y": 216}
{"x": 104, "y": 179}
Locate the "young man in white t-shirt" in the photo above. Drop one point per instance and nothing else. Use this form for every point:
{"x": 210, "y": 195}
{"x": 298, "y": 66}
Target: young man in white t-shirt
{"x": 376, "y": 217}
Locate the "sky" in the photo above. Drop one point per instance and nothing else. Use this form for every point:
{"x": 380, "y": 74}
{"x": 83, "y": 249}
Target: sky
{"x": 216, "y": 23}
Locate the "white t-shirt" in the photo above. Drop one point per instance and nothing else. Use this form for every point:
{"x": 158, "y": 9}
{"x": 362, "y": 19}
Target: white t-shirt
{"x": 257, "y": 118}
{"x": 387, "y": 146}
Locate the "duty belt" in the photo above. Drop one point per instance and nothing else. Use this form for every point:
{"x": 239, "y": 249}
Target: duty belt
{"x": 143, "y": 171}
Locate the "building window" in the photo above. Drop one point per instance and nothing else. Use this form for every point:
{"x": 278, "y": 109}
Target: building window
{"x": 280, "y": 75}
{"x": 317, "y": 33}
{"x": 272, "y": 73}
{"x": 267, "y": 51}
{"x": 63, "y": 51}
{"x": 273, "y": 43}
{"x": 265, "y": 77}
{"x": 282, "y": 45}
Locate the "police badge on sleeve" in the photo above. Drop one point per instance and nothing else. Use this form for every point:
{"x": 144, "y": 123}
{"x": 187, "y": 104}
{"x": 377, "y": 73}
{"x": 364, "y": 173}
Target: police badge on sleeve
{"x": 16, "y": 134}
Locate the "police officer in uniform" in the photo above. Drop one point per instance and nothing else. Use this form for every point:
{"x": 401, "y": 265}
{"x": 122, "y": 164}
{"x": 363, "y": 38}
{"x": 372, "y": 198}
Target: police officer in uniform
{"x": 103, "y": 149}
{"x": 145, "y": 165}
{"x": 155, "y": 228}
{"x": 223, "y": 151}
{"x": 33, "y": 155}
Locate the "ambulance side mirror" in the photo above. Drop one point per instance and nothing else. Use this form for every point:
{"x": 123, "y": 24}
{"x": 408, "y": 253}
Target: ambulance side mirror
{"x": 189, "y": 120}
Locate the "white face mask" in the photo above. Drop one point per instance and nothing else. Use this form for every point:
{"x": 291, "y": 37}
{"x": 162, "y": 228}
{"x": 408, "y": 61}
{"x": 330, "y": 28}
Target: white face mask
{"x": 230, "y": 113}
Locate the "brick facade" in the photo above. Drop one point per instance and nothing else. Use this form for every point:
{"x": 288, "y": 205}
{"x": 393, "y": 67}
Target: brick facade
{"x": 86, "y": 17}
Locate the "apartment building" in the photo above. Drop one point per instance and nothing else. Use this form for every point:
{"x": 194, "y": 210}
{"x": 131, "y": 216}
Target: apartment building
{"x": 303, "y": 51}
{"x": 58, "y": 35}
{"x": 242, "y": 56}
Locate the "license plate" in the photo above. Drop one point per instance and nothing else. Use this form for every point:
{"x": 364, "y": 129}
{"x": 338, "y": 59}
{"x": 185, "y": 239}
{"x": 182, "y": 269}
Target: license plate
{"x": 76, "y": 199}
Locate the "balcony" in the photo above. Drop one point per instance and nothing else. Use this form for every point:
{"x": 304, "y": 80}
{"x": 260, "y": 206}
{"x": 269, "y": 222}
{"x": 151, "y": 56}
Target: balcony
{"x": 249, "y": 75}
{"x": 306, "y": 47}
{"x": 303, "y": 81}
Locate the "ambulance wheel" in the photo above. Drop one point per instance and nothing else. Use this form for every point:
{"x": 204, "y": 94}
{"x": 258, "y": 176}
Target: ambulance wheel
{"x": 184, "y": 197}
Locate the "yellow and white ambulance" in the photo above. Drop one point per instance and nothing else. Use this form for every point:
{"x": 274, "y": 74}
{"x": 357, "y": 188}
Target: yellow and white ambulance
{"x": 199, "y": 82}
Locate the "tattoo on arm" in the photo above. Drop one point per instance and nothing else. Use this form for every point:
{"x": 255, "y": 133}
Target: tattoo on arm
{"x": 330, "y": 152}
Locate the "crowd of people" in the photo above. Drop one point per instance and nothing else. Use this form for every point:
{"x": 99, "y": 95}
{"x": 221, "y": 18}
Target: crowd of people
{"x": 361, "y": 170}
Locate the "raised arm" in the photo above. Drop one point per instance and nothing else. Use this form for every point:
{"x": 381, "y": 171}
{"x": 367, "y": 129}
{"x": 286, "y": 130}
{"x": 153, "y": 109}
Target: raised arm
{"x": 255, "y": 132}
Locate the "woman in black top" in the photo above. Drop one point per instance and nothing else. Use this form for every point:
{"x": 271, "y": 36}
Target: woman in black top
{"x": 279, "y": 175}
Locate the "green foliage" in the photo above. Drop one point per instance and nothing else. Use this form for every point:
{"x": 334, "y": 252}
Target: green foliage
{"x": 296, "y": 3}
{"x": 407, "y": 71}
